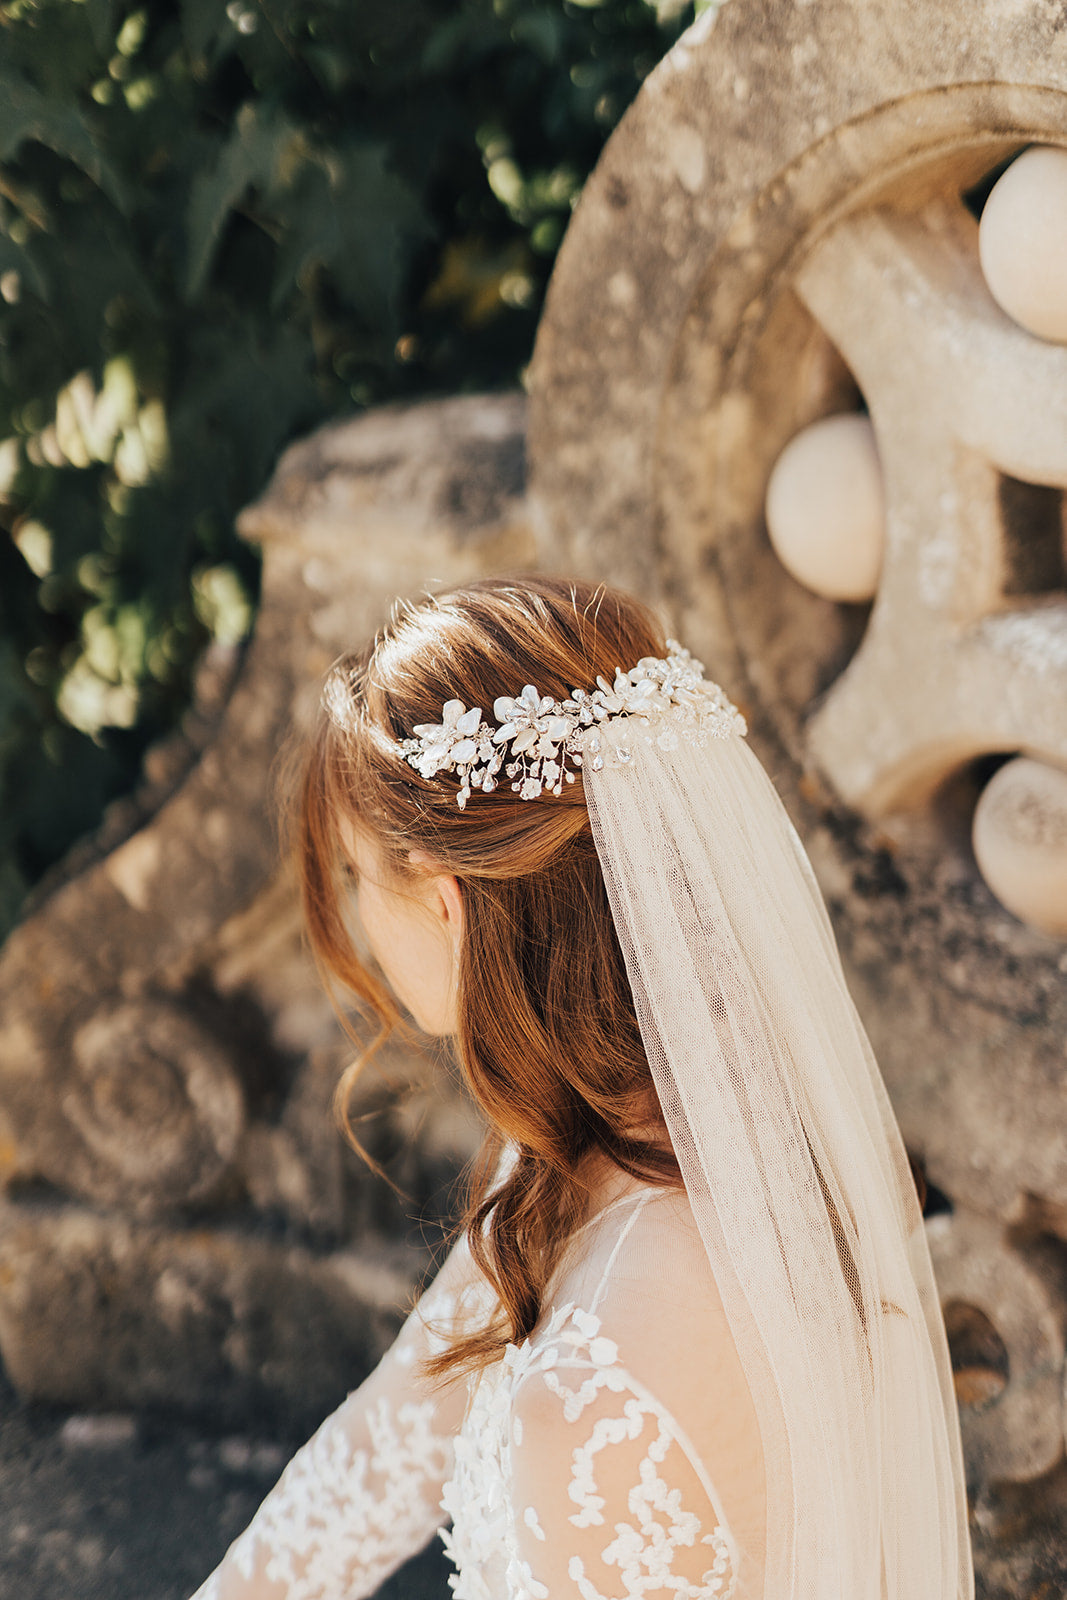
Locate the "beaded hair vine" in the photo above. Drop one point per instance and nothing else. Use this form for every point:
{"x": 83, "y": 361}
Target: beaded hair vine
{"x": 537, "y": 741}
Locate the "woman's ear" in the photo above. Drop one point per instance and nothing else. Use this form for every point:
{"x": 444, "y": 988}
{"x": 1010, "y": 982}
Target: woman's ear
{"x": 452, "y": 897}
{"x": 443, "y": 894}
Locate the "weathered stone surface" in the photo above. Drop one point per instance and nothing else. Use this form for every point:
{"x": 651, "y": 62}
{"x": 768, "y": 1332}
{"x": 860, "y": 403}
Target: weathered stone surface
{"x": 156, "y": 1098}
{"x": 1023, "y": 242}
{"x": 166, "y": 1050}
{"x": 1014, "y": 1431}
{"x": 222, "y": 1324}
{"x": 766, "y": 121}
{"x": 961, "y": 399}
{"x": 1019, "y": 835}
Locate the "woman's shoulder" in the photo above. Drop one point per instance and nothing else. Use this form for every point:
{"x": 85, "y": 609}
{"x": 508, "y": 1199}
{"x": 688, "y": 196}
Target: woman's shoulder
{"x": 639, "y": 1257}
{"x": 636, "y": 1342}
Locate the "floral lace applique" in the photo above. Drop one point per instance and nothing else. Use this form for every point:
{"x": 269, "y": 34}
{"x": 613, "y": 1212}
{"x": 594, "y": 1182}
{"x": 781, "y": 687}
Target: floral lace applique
{"x": 362, "y": 1495}
{"x": 344, "y": 1512}
{"x": 497, "y": 1543}
{"x": 601, "y": 1500}
{"x": 474, "y": 1497}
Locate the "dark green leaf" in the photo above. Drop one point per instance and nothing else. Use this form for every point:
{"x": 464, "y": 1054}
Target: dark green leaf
{"x": 264, "y": 153}
{"x": 27, "y": 114}
{"x": 356, "y": 218}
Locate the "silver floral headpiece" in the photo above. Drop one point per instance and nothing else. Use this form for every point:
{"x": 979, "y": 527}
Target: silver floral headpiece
{"x": 538, "y": 740}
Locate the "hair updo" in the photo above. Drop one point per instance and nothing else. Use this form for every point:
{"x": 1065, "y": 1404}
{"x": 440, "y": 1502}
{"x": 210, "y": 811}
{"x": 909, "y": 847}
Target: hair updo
{"x": 547, "y": 1036}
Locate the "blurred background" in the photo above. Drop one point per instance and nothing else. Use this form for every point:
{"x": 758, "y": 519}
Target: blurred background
{"x": 270, "y": 278}
{"x": 221, "y": 224}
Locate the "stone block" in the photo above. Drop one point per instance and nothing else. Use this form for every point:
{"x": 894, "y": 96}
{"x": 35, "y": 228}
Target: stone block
{"x": 101, "y": 1311}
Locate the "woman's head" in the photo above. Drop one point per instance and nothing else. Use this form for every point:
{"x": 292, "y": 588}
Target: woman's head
{"x": 538, "y": 963}
{"x": 541, "y": 1009}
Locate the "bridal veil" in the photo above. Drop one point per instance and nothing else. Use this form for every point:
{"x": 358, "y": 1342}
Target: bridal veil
{"x": 794, "y": 1165}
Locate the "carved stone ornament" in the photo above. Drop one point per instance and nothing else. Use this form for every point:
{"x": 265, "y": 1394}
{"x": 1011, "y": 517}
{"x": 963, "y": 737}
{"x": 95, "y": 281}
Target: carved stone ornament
{"x": 783, "y": 229}
{"x": 167, "y": 1057}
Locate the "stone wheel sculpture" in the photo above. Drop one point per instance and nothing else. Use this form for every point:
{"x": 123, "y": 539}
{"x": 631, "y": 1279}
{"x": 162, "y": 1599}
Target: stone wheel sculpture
{"x": 785, "y": 227}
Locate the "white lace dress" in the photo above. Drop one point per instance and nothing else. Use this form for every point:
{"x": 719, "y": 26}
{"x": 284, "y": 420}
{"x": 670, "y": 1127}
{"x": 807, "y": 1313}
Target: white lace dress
{"x": 613, "y": 1455}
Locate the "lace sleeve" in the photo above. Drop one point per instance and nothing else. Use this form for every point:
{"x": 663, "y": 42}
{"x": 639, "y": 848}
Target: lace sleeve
{"x": 364, "y": 1493}
{"x": 632, "y": 1515}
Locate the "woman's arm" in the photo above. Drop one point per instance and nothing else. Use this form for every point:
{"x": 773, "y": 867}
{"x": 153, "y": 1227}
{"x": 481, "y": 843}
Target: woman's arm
{"x": 364, "y": 1493}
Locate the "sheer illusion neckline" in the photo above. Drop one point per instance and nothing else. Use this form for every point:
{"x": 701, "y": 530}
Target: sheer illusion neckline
{"x": 643, "y": 1192}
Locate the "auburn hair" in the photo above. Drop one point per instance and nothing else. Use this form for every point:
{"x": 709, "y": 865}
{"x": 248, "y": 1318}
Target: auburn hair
{"x": 547, "y": 1036}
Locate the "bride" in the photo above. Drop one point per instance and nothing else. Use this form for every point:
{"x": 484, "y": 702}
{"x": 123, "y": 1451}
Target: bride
{"x": 689, "y": 1345}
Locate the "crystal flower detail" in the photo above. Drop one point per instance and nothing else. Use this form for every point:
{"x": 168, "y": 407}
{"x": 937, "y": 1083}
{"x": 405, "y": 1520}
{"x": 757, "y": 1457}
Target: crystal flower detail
{"x": 540, "y": 742}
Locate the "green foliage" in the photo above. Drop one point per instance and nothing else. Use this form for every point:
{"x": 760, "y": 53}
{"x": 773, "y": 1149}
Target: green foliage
{"x": 219, "y": 225}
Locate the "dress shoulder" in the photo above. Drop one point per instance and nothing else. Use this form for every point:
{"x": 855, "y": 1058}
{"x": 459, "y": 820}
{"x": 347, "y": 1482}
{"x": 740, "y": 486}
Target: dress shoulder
{"x": 609, "y": 1495}
{"x": 637, "y": 1352}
